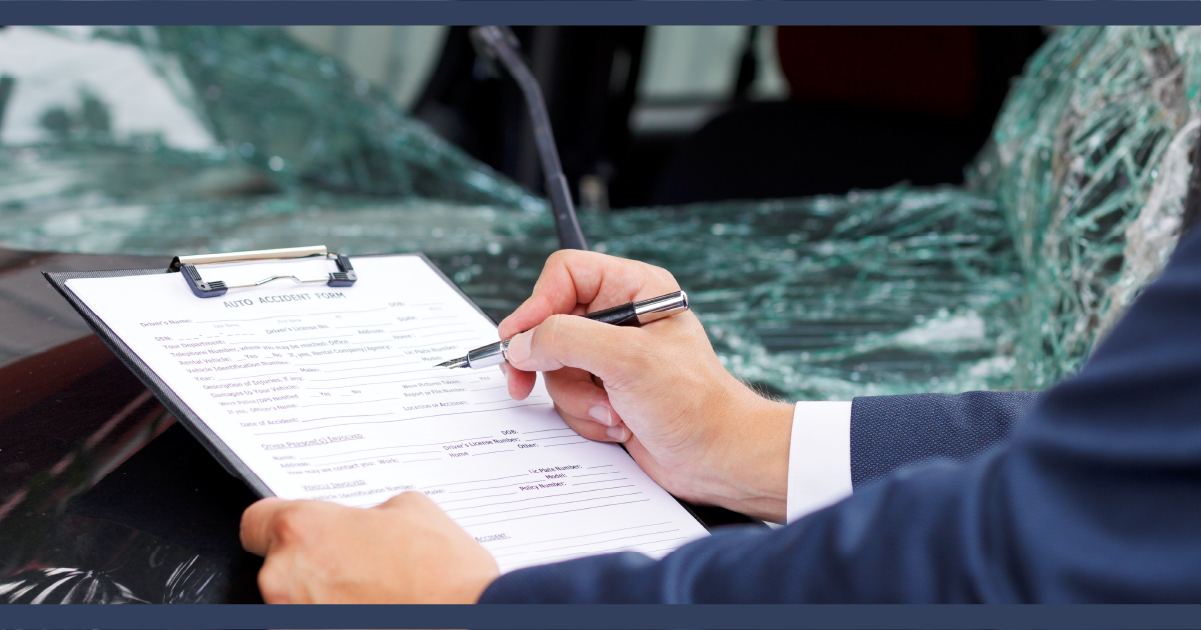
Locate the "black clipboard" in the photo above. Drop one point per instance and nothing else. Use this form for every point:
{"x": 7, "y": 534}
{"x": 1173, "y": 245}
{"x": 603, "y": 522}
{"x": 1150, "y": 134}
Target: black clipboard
{"x": 186, "y": 416}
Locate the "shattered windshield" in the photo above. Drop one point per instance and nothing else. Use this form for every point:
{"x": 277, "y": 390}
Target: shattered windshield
{"x": 241, "y": 138}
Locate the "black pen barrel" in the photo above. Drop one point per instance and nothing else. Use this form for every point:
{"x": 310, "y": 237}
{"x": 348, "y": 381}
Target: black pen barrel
{"x": 624, "y": 315}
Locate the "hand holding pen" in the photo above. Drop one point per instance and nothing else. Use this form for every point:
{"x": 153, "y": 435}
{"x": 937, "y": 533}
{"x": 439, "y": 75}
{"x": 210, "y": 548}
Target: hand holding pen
{"x": 660, "y": 389}
{"x": 629, "y": 314}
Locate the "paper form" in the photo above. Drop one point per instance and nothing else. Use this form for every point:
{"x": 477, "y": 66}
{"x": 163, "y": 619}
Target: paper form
{"x": 331, "y": 394}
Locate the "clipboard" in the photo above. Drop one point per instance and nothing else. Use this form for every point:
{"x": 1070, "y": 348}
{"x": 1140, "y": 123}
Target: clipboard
{"x": 207, "y": 285}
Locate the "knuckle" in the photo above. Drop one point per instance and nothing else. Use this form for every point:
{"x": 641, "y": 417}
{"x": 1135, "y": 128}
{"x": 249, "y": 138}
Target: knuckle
{"x": 408, "y": 503}
{"x": 552, "y": 331}
{"x": 571, "y": 257}
{"x": 409, "y": 499}
{"x": 272, "y": 582}
{"x": 505, "y": 326}
{"x": 288, "y": 527}
{"x": 661, "y": 276}
{"x": 668, "y": 277}
{"x": 587, "y": 429}
{"x": 560, "y": 258}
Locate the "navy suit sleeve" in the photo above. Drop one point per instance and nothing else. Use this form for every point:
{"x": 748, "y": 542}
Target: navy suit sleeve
{"x": 891, "y": 432}
{"x": 1096, "y": 498}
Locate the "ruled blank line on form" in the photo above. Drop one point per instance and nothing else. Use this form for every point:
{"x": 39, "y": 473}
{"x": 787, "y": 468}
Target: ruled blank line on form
{"x": 600, "y": 533}
{"x": 359, "y": 459}
{"x": 535, "y": 507}
{"x": 436, "y": 415}
{"x": 355, "y": 402}
{"x": 545, "y": 496}
{"x": 599, "y": 542}
{"x": 239, "y": 378}
{"x": 380, "y": 448}
{"x": 459, "y": 483}
{"x": 257, "y": 319}
{"x": 591, "y": 507}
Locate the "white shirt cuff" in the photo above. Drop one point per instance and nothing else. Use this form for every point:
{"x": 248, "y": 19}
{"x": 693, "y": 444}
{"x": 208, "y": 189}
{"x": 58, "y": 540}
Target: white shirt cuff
{"x": 819, "y": 457}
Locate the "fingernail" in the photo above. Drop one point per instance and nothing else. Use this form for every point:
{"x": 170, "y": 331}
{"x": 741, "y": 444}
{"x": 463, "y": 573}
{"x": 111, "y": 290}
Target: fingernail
{"x": 602, "y": 415}
{"x": 519, "y": 348}
{"x": 504, "y": 369}
{"x": 620, "y": 434}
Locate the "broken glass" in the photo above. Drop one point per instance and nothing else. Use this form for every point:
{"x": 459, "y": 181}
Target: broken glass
{"x": 183, "y": 112}
{"x": 1004, "y": 283}
{"x": 1089, "y": 165}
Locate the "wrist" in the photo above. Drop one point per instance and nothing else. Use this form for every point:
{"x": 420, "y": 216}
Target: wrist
{"x": 749, "y": 457}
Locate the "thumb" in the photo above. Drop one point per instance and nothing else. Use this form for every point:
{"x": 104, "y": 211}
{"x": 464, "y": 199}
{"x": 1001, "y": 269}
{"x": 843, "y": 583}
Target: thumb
{"x": 570, "y": 341}
{"x": 257, "y": 526}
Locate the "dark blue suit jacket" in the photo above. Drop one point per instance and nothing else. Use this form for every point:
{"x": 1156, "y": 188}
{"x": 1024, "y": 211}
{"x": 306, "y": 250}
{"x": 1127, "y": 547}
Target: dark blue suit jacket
{"x": 1096, "y": 496}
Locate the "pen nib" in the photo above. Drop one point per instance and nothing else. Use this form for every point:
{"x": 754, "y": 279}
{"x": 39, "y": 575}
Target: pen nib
{"x": 460, "y": 362}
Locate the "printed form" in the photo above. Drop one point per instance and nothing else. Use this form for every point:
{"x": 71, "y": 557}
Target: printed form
{"x": 332, "y": 394}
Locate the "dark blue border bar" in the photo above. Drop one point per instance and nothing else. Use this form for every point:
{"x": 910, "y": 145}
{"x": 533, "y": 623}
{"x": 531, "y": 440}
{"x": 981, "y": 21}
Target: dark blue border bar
{"x": 606, "y": 12}
{"x": 617, "y": 616}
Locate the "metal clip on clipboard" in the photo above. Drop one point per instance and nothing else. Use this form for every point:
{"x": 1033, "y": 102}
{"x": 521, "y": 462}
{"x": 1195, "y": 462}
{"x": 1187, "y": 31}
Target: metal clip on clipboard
{"x": 343, "y": 277}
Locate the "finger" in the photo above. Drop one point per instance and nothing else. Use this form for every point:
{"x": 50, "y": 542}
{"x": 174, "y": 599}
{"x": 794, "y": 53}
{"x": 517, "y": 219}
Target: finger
{"x": 594, "y": 431}
{"x": 646, "y": 461}
{"x": 421, "y": 509}
{"x": 572, "y": 277}
{"x": 520, "y": 383}
{"x": 617, "y": 433}
{"x": 257, "y": 524}
{"x": 577, "y": 396}
{"x": 275, "y": 581}
{"x": 610, "y": 352}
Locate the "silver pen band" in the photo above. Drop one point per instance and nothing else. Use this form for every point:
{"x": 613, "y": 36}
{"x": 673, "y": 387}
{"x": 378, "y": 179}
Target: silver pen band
{"x": 663, "y": 306}
{"x": 489, "y": 355}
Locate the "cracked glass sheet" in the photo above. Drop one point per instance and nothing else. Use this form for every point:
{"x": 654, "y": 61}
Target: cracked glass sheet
{"x": 829, "y": 298}
{"x": 213, "y": 112}
{"x": 1089, "y": 164}
{"x": 894, "y": 291}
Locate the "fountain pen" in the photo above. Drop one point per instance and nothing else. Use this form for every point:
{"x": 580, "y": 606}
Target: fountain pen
{"x": 630, "y": 314}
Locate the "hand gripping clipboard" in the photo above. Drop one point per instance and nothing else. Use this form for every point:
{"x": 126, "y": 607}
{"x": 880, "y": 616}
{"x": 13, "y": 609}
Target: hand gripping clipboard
{"x": 204, "y": 284}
